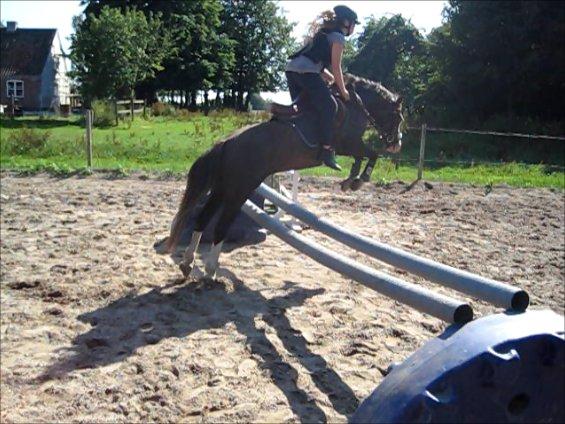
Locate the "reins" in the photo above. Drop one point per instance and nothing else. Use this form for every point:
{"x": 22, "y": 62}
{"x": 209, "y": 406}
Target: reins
{"x": 359, "y": 102}
{"x": 371, "y": 120}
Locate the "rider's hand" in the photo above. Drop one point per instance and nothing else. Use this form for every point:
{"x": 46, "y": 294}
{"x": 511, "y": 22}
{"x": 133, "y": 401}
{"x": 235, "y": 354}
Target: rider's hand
{"x": 329, "y": 78}
{"x": 345, "y": 95}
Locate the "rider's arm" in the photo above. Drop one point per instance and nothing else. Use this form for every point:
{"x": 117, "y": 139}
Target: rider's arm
{"x": 337, "y": 53}
{"x": 327, "y": 76}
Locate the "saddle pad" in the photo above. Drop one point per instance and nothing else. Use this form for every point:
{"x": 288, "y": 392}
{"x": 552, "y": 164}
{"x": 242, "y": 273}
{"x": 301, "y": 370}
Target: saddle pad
{"x": 305, "y": 125}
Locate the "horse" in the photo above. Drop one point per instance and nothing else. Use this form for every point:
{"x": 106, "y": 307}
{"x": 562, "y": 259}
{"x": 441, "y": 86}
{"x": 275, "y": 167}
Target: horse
{"x": 385, "y": 116}
{"x": 233, "y": 168}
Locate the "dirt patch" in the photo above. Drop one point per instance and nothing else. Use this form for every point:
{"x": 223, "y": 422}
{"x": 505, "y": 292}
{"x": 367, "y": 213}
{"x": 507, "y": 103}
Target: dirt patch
{"x": 97, "y": 327}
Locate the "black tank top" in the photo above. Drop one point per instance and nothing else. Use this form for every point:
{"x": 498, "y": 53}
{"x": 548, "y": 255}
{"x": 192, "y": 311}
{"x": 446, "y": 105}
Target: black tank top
{"x": 318, "y": 49}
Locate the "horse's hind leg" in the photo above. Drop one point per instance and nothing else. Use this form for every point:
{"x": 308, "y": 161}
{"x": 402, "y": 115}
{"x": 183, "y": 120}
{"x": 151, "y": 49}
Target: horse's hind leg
{"x": 227, "y": 216}
{"x": 212, "y": 260}
{"x": 231, "y": 207}
{"x": 188, "y": 256}
{"x": 204, "y": 217}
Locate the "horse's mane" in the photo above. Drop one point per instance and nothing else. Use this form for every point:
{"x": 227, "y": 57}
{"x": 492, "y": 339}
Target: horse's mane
{"x": 371, "y": 85}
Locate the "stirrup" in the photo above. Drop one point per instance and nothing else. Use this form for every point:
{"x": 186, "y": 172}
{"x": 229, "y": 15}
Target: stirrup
{"x": 328, "y": 157}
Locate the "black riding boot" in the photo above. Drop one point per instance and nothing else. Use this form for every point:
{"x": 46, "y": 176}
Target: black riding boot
{"x": 328, "y": 157}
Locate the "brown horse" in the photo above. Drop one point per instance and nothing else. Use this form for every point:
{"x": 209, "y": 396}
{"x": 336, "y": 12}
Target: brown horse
{"x": 232, "y": 169}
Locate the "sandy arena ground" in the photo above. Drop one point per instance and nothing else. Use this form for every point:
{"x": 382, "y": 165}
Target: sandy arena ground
{"x": 98, "y": 327}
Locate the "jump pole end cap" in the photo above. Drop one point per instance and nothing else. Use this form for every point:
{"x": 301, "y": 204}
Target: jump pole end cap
{"x": 520, "y": 301}
{"x": 463, "y": 314}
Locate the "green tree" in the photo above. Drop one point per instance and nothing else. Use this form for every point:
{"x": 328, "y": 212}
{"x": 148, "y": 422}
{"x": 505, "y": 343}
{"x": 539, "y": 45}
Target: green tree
{"x": 114, "y": 51}
{"x": 499, "y": 59}
{"x": 203, "y": 56}
{"x": 206, "y": 56}
{"x": 382, "y": 45}
{"x": 392, "y": 51}
{"x": 262, "y": 43}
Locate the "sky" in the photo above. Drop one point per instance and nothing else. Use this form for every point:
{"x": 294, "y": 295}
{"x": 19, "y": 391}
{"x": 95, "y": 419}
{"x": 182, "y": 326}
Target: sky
{"x": 425, "y": 15}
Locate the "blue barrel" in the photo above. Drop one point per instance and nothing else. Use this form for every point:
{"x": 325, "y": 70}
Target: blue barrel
{"x": 507, "y": 367}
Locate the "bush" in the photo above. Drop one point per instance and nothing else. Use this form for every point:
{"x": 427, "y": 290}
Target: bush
{"x": 25, "y": 141}
{"x": 158, "y": 108}
{"x": 162, "y": 109}
{"x": 223, "y": 113}
{"x": 104, "y": 113}
{"x": 185, "y": 114}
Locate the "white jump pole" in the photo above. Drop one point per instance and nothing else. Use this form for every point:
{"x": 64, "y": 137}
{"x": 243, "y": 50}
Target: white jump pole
{"x": 295, "y": 179}
{"x": 495, "y": 292}
{"x": 427, "y": 301}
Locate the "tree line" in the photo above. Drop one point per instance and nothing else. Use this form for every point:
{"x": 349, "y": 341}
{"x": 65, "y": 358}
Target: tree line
{"x": 494, "y": 62}
{"x": 232, "y": 47}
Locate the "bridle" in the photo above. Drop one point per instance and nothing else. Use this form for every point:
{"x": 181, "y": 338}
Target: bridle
{"x": 370, "y": 118}
{"x": 359, "y": 103}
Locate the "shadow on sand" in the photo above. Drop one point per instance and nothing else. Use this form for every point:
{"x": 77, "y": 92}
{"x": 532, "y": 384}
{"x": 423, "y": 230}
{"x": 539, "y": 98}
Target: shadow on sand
{"x": 180, "y": 309}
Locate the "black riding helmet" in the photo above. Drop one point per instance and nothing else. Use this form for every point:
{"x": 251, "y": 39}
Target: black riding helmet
{"x": 343, "y": 12}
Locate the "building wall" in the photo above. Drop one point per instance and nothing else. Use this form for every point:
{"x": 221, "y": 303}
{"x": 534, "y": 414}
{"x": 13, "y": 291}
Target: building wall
{"x": 49, "y": 90}
{"x": 55, "y": 89}
{"x": 62, "y": 80}
{"x": 47, "y": 94}
{"x": 32, "y": 88}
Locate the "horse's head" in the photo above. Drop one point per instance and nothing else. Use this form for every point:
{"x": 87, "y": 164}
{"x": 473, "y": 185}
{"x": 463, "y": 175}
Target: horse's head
{"x": 383, "y": 109}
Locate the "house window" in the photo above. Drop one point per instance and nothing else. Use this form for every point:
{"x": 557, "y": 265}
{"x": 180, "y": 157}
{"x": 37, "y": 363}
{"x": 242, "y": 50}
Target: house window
{"x": 15, "y": 88}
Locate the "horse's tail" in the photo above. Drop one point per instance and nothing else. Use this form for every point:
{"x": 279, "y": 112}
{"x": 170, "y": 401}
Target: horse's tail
{"x": 200, "y": 179}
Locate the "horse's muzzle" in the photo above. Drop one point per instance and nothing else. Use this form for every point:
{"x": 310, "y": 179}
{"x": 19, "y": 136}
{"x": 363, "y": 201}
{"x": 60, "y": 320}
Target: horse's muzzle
{"x": 393, "y": 149}
{"x": 394, "y": 146}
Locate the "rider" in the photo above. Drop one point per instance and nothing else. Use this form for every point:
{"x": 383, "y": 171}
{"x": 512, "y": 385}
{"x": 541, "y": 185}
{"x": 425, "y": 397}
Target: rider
{"x": 309, "y": 71}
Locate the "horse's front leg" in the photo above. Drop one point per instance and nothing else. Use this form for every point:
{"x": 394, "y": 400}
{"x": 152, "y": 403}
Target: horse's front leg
{"x": 353, "y": 174}
{"x": 365, "y": 175}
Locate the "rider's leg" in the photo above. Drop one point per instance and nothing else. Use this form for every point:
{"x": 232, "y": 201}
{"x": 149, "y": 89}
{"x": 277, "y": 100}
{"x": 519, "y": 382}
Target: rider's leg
{"x": 296, "y": 89}
{"x": 326, "y": 107}
{"x": 292, "y": 78}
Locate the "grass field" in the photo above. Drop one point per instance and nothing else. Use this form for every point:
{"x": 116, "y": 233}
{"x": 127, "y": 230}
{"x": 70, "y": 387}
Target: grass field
{"x": 171, "y": 145}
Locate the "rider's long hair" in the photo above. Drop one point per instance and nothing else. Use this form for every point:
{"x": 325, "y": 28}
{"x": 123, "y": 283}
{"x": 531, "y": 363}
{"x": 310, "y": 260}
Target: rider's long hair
{"x": 327, "y": 19}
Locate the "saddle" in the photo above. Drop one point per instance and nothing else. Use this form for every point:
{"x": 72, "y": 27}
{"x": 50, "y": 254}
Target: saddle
{"x": 304, "y": 120}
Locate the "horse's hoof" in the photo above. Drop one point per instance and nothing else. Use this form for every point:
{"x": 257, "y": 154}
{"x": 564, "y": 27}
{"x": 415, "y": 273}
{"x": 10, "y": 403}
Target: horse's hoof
{"x": 211, "y": 273}
{"x": 346, "y": 185}
{"x": 356, "y": 184}
{"x": 365, "y": 178}
{"x": 186, "y": 269}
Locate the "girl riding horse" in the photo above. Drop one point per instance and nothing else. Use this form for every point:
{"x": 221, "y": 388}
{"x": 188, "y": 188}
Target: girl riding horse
{"x": 308, "y": 72}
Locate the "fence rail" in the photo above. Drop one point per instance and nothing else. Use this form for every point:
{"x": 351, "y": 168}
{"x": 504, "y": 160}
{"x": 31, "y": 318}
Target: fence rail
{"x": 132, "y": 107}
{"x": 424, "y": 129}
{"x": 501, "y": 134}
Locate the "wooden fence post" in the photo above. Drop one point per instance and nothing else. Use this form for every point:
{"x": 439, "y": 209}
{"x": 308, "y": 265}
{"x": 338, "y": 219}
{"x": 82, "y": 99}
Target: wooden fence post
{"x": 89, "y": 116}
{"x": 116, "y": 110}
{"x": 131, "y": 104}
{"x": 422, "y": 150}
